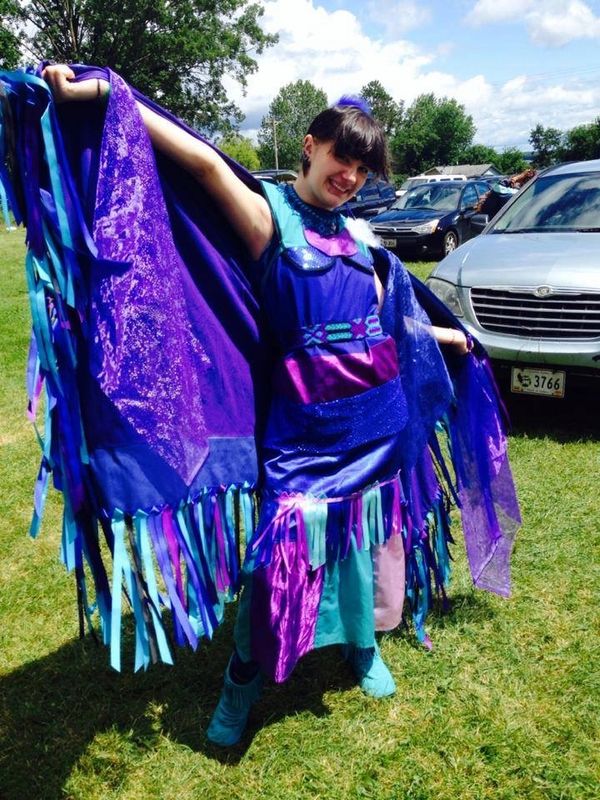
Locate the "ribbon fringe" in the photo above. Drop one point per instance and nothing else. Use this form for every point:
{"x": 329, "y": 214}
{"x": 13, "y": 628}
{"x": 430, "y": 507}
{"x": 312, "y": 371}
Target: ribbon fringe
{"x": 183, "y": 561}
{"x": 326, "y": 529}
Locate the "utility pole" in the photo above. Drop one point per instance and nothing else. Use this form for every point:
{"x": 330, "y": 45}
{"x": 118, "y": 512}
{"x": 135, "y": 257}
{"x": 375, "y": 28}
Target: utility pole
{"x": 275, "y": 122}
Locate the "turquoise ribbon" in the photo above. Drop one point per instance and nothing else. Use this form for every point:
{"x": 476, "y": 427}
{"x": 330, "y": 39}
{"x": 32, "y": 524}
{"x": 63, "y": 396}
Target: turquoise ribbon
{"x": 143, "y": 542}
{"x": 4, "y": 203}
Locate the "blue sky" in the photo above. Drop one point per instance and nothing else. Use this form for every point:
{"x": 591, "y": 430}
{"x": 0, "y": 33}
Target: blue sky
{"x": 512, "y": 63}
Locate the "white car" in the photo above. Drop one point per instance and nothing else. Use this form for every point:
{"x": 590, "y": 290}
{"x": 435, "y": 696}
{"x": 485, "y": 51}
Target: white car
{"x": 419, "y": 180}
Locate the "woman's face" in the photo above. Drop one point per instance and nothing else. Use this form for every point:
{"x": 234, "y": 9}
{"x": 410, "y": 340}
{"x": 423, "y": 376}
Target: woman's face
{"x": 331, "y": 181}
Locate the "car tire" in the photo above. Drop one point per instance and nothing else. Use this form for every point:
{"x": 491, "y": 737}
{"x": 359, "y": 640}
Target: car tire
{"x": 450, "y": 242}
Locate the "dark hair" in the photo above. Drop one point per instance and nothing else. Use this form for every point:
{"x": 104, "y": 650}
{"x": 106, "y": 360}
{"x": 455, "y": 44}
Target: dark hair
{"x": 353, "y": 134}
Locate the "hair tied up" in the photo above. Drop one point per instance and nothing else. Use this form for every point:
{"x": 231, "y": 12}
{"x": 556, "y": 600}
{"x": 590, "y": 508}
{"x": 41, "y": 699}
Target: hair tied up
{"x": 356, "y": 102}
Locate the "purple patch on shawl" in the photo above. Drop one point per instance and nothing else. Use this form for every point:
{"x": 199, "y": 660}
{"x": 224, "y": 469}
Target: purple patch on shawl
{"x": 283, "y": 610}
{"x": 490, "y": 510}
{"x": 342, "y": 244}
{"x": 143, "y": 353}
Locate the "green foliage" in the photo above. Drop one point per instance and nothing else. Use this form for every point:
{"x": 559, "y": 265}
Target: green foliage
{"x": 290, "y": 114}
{"x": 434, "y": 131}
{"x": 479, "y": 154}
{"x": 175, "y": 52}
{"x": 511, "y": 161}
{"x": 547, "y": 145}
{"x": 241, "y": 149}
{"x": 582, "y": 142}
{"x": 387, "y": 111}
{"x": 9, "y": 43}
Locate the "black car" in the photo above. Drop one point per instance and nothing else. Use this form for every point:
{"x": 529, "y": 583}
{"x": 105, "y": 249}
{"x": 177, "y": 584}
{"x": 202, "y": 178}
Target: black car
{"x": 375, "y": 196}
{"x": 432, "y": 219}
{"x": 275, "y": 175}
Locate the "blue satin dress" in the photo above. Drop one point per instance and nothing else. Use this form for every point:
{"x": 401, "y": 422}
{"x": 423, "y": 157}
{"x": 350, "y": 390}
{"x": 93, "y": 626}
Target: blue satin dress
{"x": 331, "y": 491}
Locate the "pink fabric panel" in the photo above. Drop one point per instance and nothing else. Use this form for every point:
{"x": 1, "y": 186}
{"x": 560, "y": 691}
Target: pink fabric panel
{"x": 321, "y": 378}
{"x": 340, "y": 245}
{"x": 389, "y": 583}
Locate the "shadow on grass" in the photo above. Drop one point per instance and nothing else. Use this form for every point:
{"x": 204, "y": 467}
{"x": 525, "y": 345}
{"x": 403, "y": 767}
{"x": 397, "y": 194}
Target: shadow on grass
{"x": 572, "y": 419}
{"x": 52, "y": 709}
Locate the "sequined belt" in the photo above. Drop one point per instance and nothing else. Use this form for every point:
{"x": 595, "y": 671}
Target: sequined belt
{"x": 327, "y": 332}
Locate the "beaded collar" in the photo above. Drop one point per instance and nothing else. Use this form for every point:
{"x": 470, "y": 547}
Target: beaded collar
{"x": 323, "y": 222}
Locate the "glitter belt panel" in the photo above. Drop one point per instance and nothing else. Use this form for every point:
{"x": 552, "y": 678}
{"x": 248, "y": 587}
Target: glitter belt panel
{"x": 328, "y": 332}
{"x": 319, "y": 379}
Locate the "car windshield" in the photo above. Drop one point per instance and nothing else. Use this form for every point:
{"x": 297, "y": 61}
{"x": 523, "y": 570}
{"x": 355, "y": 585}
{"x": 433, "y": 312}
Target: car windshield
{"x": 433, "y": 196}
{"x": 555, "y": 203}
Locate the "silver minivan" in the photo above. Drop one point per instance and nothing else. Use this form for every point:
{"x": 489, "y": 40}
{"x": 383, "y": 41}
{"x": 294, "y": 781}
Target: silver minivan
{"x": 529, "y": 286}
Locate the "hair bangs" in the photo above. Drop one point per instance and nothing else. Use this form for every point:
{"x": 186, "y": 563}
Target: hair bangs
{"x": 353, "y": 134}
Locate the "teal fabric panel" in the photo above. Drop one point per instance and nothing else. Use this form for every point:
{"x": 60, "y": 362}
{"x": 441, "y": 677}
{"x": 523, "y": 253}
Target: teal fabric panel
{"x": 346, "y": 612}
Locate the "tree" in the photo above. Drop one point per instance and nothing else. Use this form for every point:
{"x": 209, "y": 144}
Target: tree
{"x": 175, "y": 52}
{"x": 511, "y": 161}
{"x": 241, "y": 149}
{"x": 384, "y": 108}
{"x": 434, "y": 131}
{"x": 479, "y": 154}
{"x": 290, "y": 114}
{"x": 9, "y": 44}
{"x": 582, "y": 142}
{"x": 546, "y": 143}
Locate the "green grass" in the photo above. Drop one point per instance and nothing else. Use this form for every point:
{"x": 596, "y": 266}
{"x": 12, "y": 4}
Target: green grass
{"x": 505, "y": 707}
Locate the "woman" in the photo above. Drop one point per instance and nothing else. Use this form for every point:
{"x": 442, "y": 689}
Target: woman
{"x": 325, "y": 564}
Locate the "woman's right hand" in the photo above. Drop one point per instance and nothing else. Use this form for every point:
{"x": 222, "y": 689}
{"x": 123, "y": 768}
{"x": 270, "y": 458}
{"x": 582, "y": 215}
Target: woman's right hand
{"x": 60, "y": 79}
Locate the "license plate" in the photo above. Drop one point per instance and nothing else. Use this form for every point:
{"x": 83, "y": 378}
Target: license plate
{"x": 389, "y": 242}
{"x": 547, "y": 382}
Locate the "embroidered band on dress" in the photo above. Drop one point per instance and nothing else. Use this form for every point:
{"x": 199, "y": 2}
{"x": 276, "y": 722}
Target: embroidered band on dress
{"x": 327, "y": 332}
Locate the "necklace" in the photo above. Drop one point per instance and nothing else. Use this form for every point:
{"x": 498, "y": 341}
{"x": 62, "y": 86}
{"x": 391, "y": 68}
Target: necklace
{"x": 320, "y": 220}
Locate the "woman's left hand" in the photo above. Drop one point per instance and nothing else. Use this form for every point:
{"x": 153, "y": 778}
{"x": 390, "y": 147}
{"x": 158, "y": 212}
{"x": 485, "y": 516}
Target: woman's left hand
{"x": 455, "y": 338}
{"x": 460, "y": 342}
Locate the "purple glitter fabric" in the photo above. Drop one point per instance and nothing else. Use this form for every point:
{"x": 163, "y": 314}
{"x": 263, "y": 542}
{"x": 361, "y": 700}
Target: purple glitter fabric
{"x": 286, "y": 593}
{"x": 144, "y": 355}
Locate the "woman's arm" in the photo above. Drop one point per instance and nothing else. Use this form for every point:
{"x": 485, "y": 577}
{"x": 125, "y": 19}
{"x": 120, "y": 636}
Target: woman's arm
{"x": 451, "y": 336}
{"x": 246, "y": 210}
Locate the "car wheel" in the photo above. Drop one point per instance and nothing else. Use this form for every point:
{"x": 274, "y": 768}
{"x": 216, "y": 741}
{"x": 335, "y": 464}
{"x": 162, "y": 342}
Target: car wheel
{"x": 450, "y": 242}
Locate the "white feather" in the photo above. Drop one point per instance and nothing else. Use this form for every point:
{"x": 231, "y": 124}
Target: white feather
{"x": 361, "y": 231}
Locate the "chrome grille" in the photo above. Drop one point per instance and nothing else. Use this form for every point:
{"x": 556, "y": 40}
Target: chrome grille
{"x": 520, "y": 313}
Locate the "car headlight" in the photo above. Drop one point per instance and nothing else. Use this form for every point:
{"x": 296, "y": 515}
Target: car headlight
{"x": 447, "y": 293}
{"x": 426, "y": 227}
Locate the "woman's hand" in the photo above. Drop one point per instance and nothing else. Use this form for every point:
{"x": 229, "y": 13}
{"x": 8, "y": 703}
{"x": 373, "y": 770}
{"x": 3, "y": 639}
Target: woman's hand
{"x": 454, "y": 338}
{"x": 60, "y": 79}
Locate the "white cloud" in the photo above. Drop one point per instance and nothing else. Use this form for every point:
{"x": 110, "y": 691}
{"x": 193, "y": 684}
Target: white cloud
{"x": 548, "y": 22}
{"x": 485, "y": 12}
{"x": 398, "y": 16}
{"x": 332, "y": 50}
{"x": 563, "y": 24}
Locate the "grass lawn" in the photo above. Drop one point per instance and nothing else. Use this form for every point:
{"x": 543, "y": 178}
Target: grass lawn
{"x": 505, "y": 706}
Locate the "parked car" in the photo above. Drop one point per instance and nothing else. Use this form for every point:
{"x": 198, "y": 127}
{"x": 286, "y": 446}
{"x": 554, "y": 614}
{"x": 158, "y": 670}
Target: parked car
{"x": 276, "y": 175}
{"x": 432, "y": 219}
{"x": 419, "y": 180}
{"x": 375, "y": 196}
{"x": 529, "y": 287}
